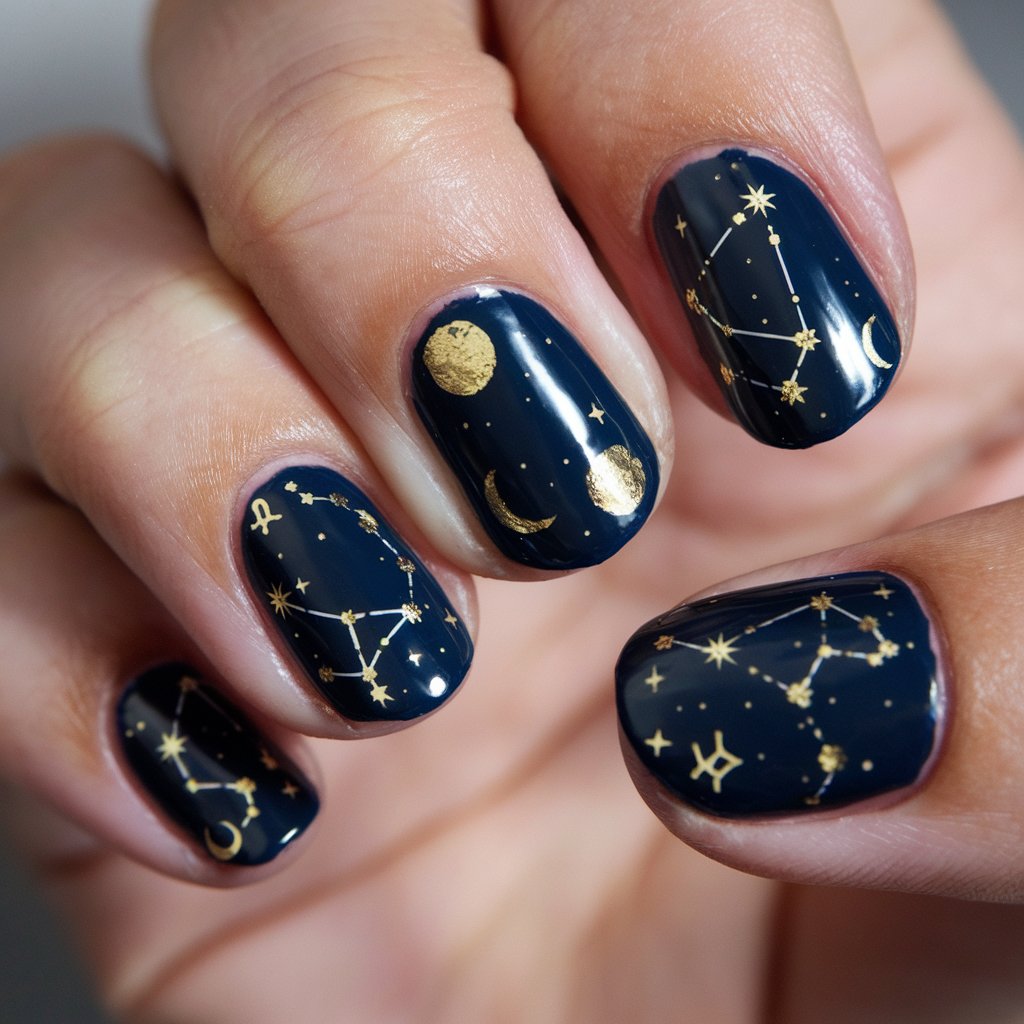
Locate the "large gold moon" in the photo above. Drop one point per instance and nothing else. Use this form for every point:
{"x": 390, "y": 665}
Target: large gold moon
{"x": 867, "y": 343}
{"x": 460, "y": 358}
{"x": 616, "y": 481}
{"x": 505, "y": 515}
{"x": 224, "y": 852}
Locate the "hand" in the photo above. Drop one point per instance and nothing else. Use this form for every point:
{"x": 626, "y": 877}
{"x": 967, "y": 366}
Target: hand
{"x": 495, "y": 856}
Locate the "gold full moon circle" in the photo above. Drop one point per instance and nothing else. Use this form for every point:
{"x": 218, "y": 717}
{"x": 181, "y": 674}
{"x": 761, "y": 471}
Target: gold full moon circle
{"x": 616, "y": 481}
{"x": 224, "y": 852}
{"x": 460, "y": 358}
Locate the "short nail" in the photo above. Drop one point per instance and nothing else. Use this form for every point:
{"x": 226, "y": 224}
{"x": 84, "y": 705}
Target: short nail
{"x": 552, "y": 460}
{"x": 241, "y": 798}
{"x": 786, "y": 698}
{"x": 786, "y": 317}
{"x": 361, "y": 614}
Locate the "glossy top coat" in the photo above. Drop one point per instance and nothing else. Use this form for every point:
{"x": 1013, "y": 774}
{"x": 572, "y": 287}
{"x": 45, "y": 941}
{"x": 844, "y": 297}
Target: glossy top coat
{"x": 787, "y": 319}
{"x": 554, "y": 463}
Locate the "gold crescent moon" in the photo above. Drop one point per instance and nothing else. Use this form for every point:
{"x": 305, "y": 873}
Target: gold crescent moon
{"x": 616, "y": 481}
{"x": 869, "y": 345}
{"x": 505, "y": 515}
{"x": 224, "y": 852}
{"x": 460, "y": 358}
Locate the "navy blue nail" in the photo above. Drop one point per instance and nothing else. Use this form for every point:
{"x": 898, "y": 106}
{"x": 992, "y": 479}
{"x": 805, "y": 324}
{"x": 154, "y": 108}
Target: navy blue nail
{"x": 360, "y": 612}
{"x": 788, "y": 321}
{"x": 551, "y": 458}
{"x": 239, "y": 797}
{"x": 785, "y": 698}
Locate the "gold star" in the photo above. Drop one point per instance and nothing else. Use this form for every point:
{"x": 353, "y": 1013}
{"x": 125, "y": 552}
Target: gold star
{"x": 173, "y": 745}
{"x": 187, "y": 684}
{"x": 707, "y": 764}
{"x": 412, "y": 612}
{"x": 301, "y": 584}
{"x": 884, "y": 592}
{"x": 727, "y": 330}
{"x": 449, "y": 618}
{"x": 290, "y": 789}
{"x": 887, "y": 649}
{"x": 800, "y": 693}
{"x": 192, "y": 786}
{"x": 366, "y": 521}
{"x": 267, "y": 760}
{"x": 681, "y": 226}
{"x": 415, "y": 658}
{"x": 291, "y": 487}
{"x": 654, "y": 679}
{"x": 279, "y": 600}
{"x": 244, "y": 786}
{"x": 252, "y": 812}
{"x": 874, "y": 659}
{"x": 832, "y": 758}
{"x": 805, "y": 340}
{"x": 369, "y": 674}
{"x": 727, "y": 375}
{"x": 739, "y": 218}
{"x": 792, "y": 392}
{"x": 405, "y": 564}
{"x": 663, "y": 643}
{"x": 773, "y": 238}
{"x": 692, "y": 301}
{"x": 758, "y": 201}
{"x": 307, "y": 497}
{"x": 868, "y": 624}
{"x": 326, "y": 673}
{"x": 348, "y": 618}
{"x": 718, "y": 651}
{"x": 596, "y": 414}
{"x": 658, "y": 743}
{"x": 822, "y": 602}
{"x": 380, "y": 695}
{"x": 338, "y": 500}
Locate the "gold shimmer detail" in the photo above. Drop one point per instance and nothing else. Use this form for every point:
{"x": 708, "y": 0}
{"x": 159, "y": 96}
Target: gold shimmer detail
{"x": 505, "y": 515}
{"x": 727, "y": 375}
{"x": 792, "y": 392}
{"x": 616, "y": 481}
{"x": 805, "y": 340}
{"x": 821, "y": 603}
{"x": 460, "y": 358}
{"x": 663, "y": 643}
{"x": 868, "y": 344}
{"x": 326, "y": 673}
{"x": 832, "y": 758}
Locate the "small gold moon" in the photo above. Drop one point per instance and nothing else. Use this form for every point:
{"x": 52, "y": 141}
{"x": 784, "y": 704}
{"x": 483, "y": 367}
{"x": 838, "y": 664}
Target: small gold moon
{"x": 460, "y": 358}
{"x": 616, "y": 481}
{"x": 869, "y": 346}
{"x": 505, "y": 515}
{"x": 224, "y": 852}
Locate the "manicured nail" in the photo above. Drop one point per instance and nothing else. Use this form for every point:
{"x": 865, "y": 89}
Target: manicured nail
{"x": 370, "y": 625}
{"x": 241, "y": 798}
{"x": 786, "y": 317}
{"x": 785, "y": 698}
{"x": 551, "y": 458}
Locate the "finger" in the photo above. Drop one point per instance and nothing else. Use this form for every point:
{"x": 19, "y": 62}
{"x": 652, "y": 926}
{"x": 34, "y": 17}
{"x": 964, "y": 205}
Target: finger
{"x": 733, "y": 180}
{"x": 148, "y": 389}
{"x": 375, "y": 192}
{"x": 163, "y": 769}
{"x": 858, "y": 726}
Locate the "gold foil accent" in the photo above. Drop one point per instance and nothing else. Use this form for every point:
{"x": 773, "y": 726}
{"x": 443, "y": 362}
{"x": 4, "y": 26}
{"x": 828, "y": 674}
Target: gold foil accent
{"x": 460, "y": 358}
{"x": 505, "y": 515}
{"x": 616, "y": 481}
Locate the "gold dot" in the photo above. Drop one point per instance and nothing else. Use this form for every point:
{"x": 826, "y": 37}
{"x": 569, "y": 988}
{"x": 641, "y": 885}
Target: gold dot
{"x": 384, "y": 641}
{"x": 748, "y": 704}
{"x": 460, "y": 358}
{"x": 321, "y": 536}
{"x": 702, "y": 706}
{"x": 796, "y": 298}
{"x": 888, "y": 703}
{"x": 867, "y": 765}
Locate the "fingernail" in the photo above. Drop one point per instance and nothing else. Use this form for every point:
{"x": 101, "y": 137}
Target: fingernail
{"x": 784, "y": 699}
{"x": 241, "y": 798}
{"x": 552, "y": 460}
{"x": 786, "y": 317}
{"x": 361, "y": 614}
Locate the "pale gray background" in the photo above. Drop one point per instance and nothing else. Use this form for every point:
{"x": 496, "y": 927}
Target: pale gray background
{"x": 78, "y": 64}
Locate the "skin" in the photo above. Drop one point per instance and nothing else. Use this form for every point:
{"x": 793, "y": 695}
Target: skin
{"x": 494, "y": 863}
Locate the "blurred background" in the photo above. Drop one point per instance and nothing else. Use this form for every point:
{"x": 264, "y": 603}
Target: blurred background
{"x": 68, "y": 64}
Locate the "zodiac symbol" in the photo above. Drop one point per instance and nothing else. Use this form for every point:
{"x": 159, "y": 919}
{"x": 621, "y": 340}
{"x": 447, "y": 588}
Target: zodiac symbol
{"x": 264, "y": 517}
